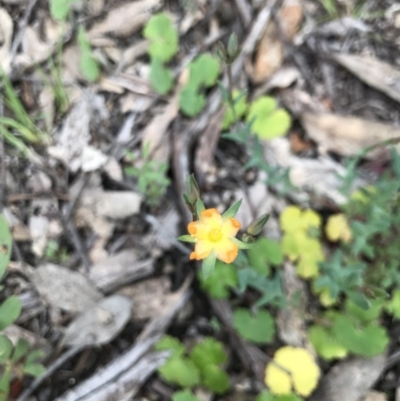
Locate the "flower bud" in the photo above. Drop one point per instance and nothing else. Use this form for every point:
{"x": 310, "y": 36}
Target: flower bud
{"x": 222, "y": 53}
{"x": 192, "y": 190}
{"x": 233, "y": 48}
{"x": 257, "y": 225}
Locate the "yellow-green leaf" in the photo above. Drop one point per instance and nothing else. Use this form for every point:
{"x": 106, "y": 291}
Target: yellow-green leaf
{"x": 337, "y": 228}
{"x": 293, "y": 368}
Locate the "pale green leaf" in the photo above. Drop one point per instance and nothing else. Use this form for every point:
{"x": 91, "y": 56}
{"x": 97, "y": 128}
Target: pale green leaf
{"x": 325, "y": 343}
{"x": 172, "y": 344}
{"x": 163, "y": 37}
{"x": 181, "y": 371}
{"x": 160, "y": 77}
{"x": 185, "y": 395}
{"x": 268, "y": 121}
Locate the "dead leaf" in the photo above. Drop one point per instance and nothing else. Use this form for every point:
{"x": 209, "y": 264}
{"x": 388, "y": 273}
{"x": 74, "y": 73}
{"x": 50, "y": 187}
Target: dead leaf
{"x": 72, "y": 141}
{"x": 350, "y": 380}
{"x": 125, "y": 19}
{"x": 41, "y": 225}
{"x": 100, "y": 324}
{"x": 64, "y": 288}
{"x": 290, "y": 17}
{"x": 269, "y": 55}
{"x": 6, "y": 32}
{"x": 120, "y": 269}
{"x": 347, "y": 135}
{"x": 155, "y": 134}
{"x": 135, "y": 102}
{"x": 318, "y": 176}
{"x": 96, "y": 208}
{"x": 35, "y": 49}
{"x": 150, "y": 297}
{"x": 373, "y": 72}
{"x": 375, "y": 396}
{"x": 298, "y": 144}
{"x": 132, "y": 53}
{"x": 71, "y": 71}
{"x": 113, "y": 169}
{"x": 47, "y": 107}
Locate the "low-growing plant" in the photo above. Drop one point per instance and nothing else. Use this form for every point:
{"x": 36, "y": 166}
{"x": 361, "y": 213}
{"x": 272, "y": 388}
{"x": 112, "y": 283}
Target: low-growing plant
{"x": 200, "y": 366}
{"x": 16, "y": 360}
{"x": 151, "y": 175}
{"x": 203, "y": 73}
{"x": 163, "y": 37}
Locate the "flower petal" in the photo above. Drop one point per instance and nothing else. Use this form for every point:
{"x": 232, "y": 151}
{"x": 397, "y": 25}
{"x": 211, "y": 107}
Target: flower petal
{"x": 198, "y": 229}
{"x": 230, "y": 227}
{"x": 226, "y": 250}
{"x": 202, "y": 249}
{"x": 211, "y": 217}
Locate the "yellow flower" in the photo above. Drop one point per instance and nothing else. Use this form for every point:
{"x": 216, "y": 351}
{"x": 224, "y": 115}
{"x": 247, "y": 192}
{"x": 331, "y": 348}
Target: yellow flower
{"x": 213, "y": 233}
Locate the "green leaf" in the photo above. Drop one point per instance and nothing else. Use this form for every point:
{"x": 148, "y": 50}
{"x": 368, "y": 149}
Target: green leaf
{"x": 10, "y": 310}
{"x": 269, "y": 121}
{"x": 244, "y": 245}
{"x": 160, "y": 77}
{"x": 5, "y": 245}
{"x": 257, "y": 327}
{"x": 199, "y": 207}
{"x": 35, "y": 356}
{"x": 181, "y": 371}
{"x": 191, "y": 102}
{"x": 232, "y": 211}
{"x": 240, "y": 107}
{"x": 393, "y": 306}
{"x": 6, "y": 347}
{"x": 20, "y": 350}
{"x": 204, "y": 71}
{"x": 34, "y": 369}
{"x": 362, "y": 314}
{"x": 5, "y": 381}
{"x": 208, "y": 352}
{"x": 268, "y": 252}
{"x": 163, "y": 37}
{"x": 88, "y": 64}
{"x": 221, "y": 279}
{"x": 215, "y": 379}
{"x": 59, "y": 9}
{"x": 359, "y": 300}
{"x": 187, "y": 238}
{"x": 366, "y": 341}
{"x": 325, "y": 343}
{"x": 170, "y": 343}
{"x": 185, "y": 395}
{"x": 208, "y": 265}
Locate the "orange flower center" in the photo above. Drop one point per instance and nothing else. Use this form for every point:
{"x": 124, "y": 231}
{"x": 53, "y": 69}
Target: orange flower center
{"x": 215, "y": 235}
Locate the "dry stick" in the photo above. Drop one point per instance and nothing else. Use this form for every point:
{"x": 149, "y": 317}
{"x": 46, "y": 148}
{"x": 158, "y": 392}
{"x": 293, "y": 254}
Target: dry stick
{"x": 69, "y": 225}
{"x": 22, "y": 27}
{"x": 244, "y": 9}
